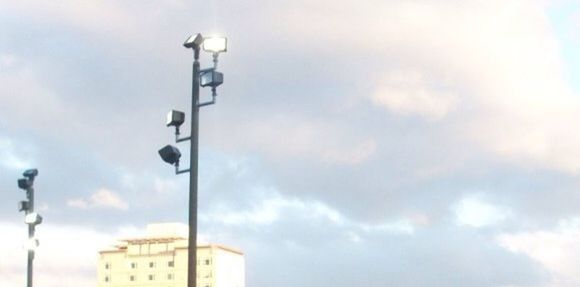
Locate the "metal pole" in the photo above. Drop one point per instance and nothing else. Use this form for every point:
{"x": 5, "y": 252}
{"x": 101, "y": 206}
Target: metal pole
{"x": 30, "y": 194}
{"x": 192, "y": 247}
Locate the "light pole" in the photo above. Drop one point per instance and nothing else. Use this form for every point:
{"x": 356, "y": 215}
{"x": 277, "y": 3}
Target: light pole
{"x": 31, "y": 218}
{"x": 206, "y": 78}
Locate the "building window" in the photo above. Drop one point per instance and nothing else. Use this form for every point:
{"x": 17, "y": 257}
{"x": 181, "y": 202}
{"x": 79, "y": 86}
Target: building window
{"x": 106, "y": 278}
{"x": 170, "y": 263}
{"x": 133, "y": 265}
{"x": 169, "y": 276}
{"x": 132, "y": 278}
{"x": 151, "y": 264}
{"x": 207, "y": 262}
{"x": 151, "y": 277}
{"x": 107, "y": 265}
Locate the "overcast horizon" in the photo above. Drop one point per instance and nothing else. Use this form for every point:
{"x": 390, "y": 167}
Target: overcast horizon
{"x": 378, "y": 142}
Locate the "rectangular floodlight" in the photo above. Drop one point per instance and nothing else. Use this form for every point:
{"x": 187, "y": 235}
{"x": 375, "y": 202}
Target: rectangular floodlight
{"x": 33, "y": 218}
{"x": 175, "y": 118}
{"x": 211, "y": 78}
{"x": 215, "y": 44}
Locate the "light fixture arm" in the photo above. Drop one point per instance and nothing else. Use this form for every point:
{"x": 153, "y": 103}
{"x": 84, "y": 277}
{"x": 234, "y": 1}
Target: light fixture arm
{"x": 178, "y": 139}
{"x": 212, "y": 78}
{"x": 215, "y": 60}
{"x": 177, "y": 171}
{"x": 213, "y": 97}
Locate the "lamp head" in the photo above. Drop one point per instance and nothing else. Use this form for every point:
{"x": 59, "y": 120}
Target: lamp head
{"x": 194, "y": 41}
{"x": 30, "y": 173}
{"x": 211, "y": 78}
{"x": 24, "y": 183}
{"x": 170, "y": 154}
{"x": 215, "y": 44}
{"x": 23, "y": 206}
{"x": 33, "y": 218}
{"x": 175, "y": 118}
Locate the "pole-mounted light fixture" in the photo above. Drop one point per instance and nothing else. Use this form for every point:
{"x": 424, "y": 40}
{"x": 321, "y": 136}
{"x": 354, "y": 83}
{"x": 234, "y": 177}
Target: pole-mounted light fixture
{"x": 175, "y": 118}
{"x": 215, "y": 44}
{"x": 31, "y": 218}
{"x": 205, "y": 78}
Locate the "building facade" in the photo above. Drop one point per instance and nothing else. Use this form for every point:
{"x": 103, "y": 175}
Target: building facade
{"x": 160, "y": 259}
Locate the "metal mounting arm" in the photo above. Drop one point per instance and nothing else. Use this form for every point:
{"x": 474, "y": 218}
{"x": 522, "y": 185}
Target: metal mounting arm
{"x": 177, "y": 171}
{"x": 213, "y": 97}
{"x": 177, "y": 138}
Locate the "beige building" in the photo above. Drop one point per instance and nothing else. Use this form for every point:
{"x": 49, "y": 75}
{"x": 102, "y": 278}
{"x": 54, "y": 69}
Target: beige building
{"x": 160, "y": 259}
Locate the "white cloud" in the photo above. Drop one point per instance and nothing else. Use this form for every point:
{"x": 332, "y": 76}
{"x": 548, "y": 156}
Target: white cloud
{"x": 412, "y": 93}
{"x": 494, "y": 64}
{"x": 7, "y": 61}
{"x": 12, "y": 157}
{"x": 107, "y": 198}
{"x": 103, "y": 16}
{"x": 66, "y": 256}
{"x": 557, "y": 250}
{"x": 163, "y": 186}
{"x": 474, "y": 211}
{"x": 102, "y": 198}
{"x": 397, "y": 227}
{"x": 22, "y": 86}
{"x": 312, "y": 138}
{"x": 352, "y": 156}
{"x": 273, "y": 208}
{"x": 77, "y": 203}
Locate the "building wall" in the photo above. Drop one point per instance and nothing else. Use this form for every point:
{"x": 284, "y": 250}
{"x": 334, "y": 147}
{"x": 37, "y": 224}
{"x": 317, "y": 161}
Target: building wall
{"x": 163, "y": 263}
{"x": 231, "y": 268}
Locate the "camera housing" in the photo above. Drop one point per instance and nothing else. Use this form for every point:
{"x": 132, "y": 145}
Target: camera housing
{"x": 194, "y": 41}
{"x": 30, "y": 173}
{"x": 24, "y": 183}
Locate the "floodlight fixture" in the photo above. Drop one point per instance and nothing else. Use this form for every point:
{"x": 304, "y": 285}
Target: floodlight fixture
{"x": 23, "y": 205}
{"x": 24, "y": 183}
{"x": 170, "y": 154}
{"x": 30, "y": 173}
{"x": 33, "y": 218}
{"x": 31, "y": 244}
{"x": 215, "y": 44}
{"x": 175, "y": 118}
{"x": 194, "y": 41}
{"x": 211, "y": 78}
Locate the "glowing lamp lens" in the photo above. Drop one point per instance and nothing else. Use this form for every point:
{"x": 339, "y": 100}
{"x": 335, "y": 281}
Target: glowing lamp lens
{"x": 215, "y": 44}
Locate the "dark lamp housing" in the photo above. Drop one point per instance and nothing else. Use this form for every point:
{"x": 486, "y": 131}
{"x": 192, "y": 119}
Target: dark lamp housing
{"x": 194, "y": 41}
{"x": 170, "y": 154}
{"x": 30, "y": 173}
{"x": 23, "y": 206}
{"x": 24, "y": 183}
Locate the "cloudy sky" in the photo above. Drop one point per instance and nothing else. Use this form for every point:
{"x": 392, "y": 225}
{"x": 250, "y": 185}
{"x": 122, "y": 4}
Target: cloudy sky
{"x": 378, "y": 142}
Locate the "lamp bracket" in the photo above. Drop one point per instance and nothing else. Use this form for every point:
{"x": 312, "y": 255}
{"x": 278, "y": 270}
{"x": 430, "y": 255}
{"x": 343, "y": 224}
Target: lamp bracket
{"x": 177, "y": 171}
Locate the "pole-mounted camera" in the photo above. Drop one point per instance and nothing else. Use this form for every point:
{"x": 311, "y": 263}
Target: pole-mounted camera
{"x": 31, "y": 218}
